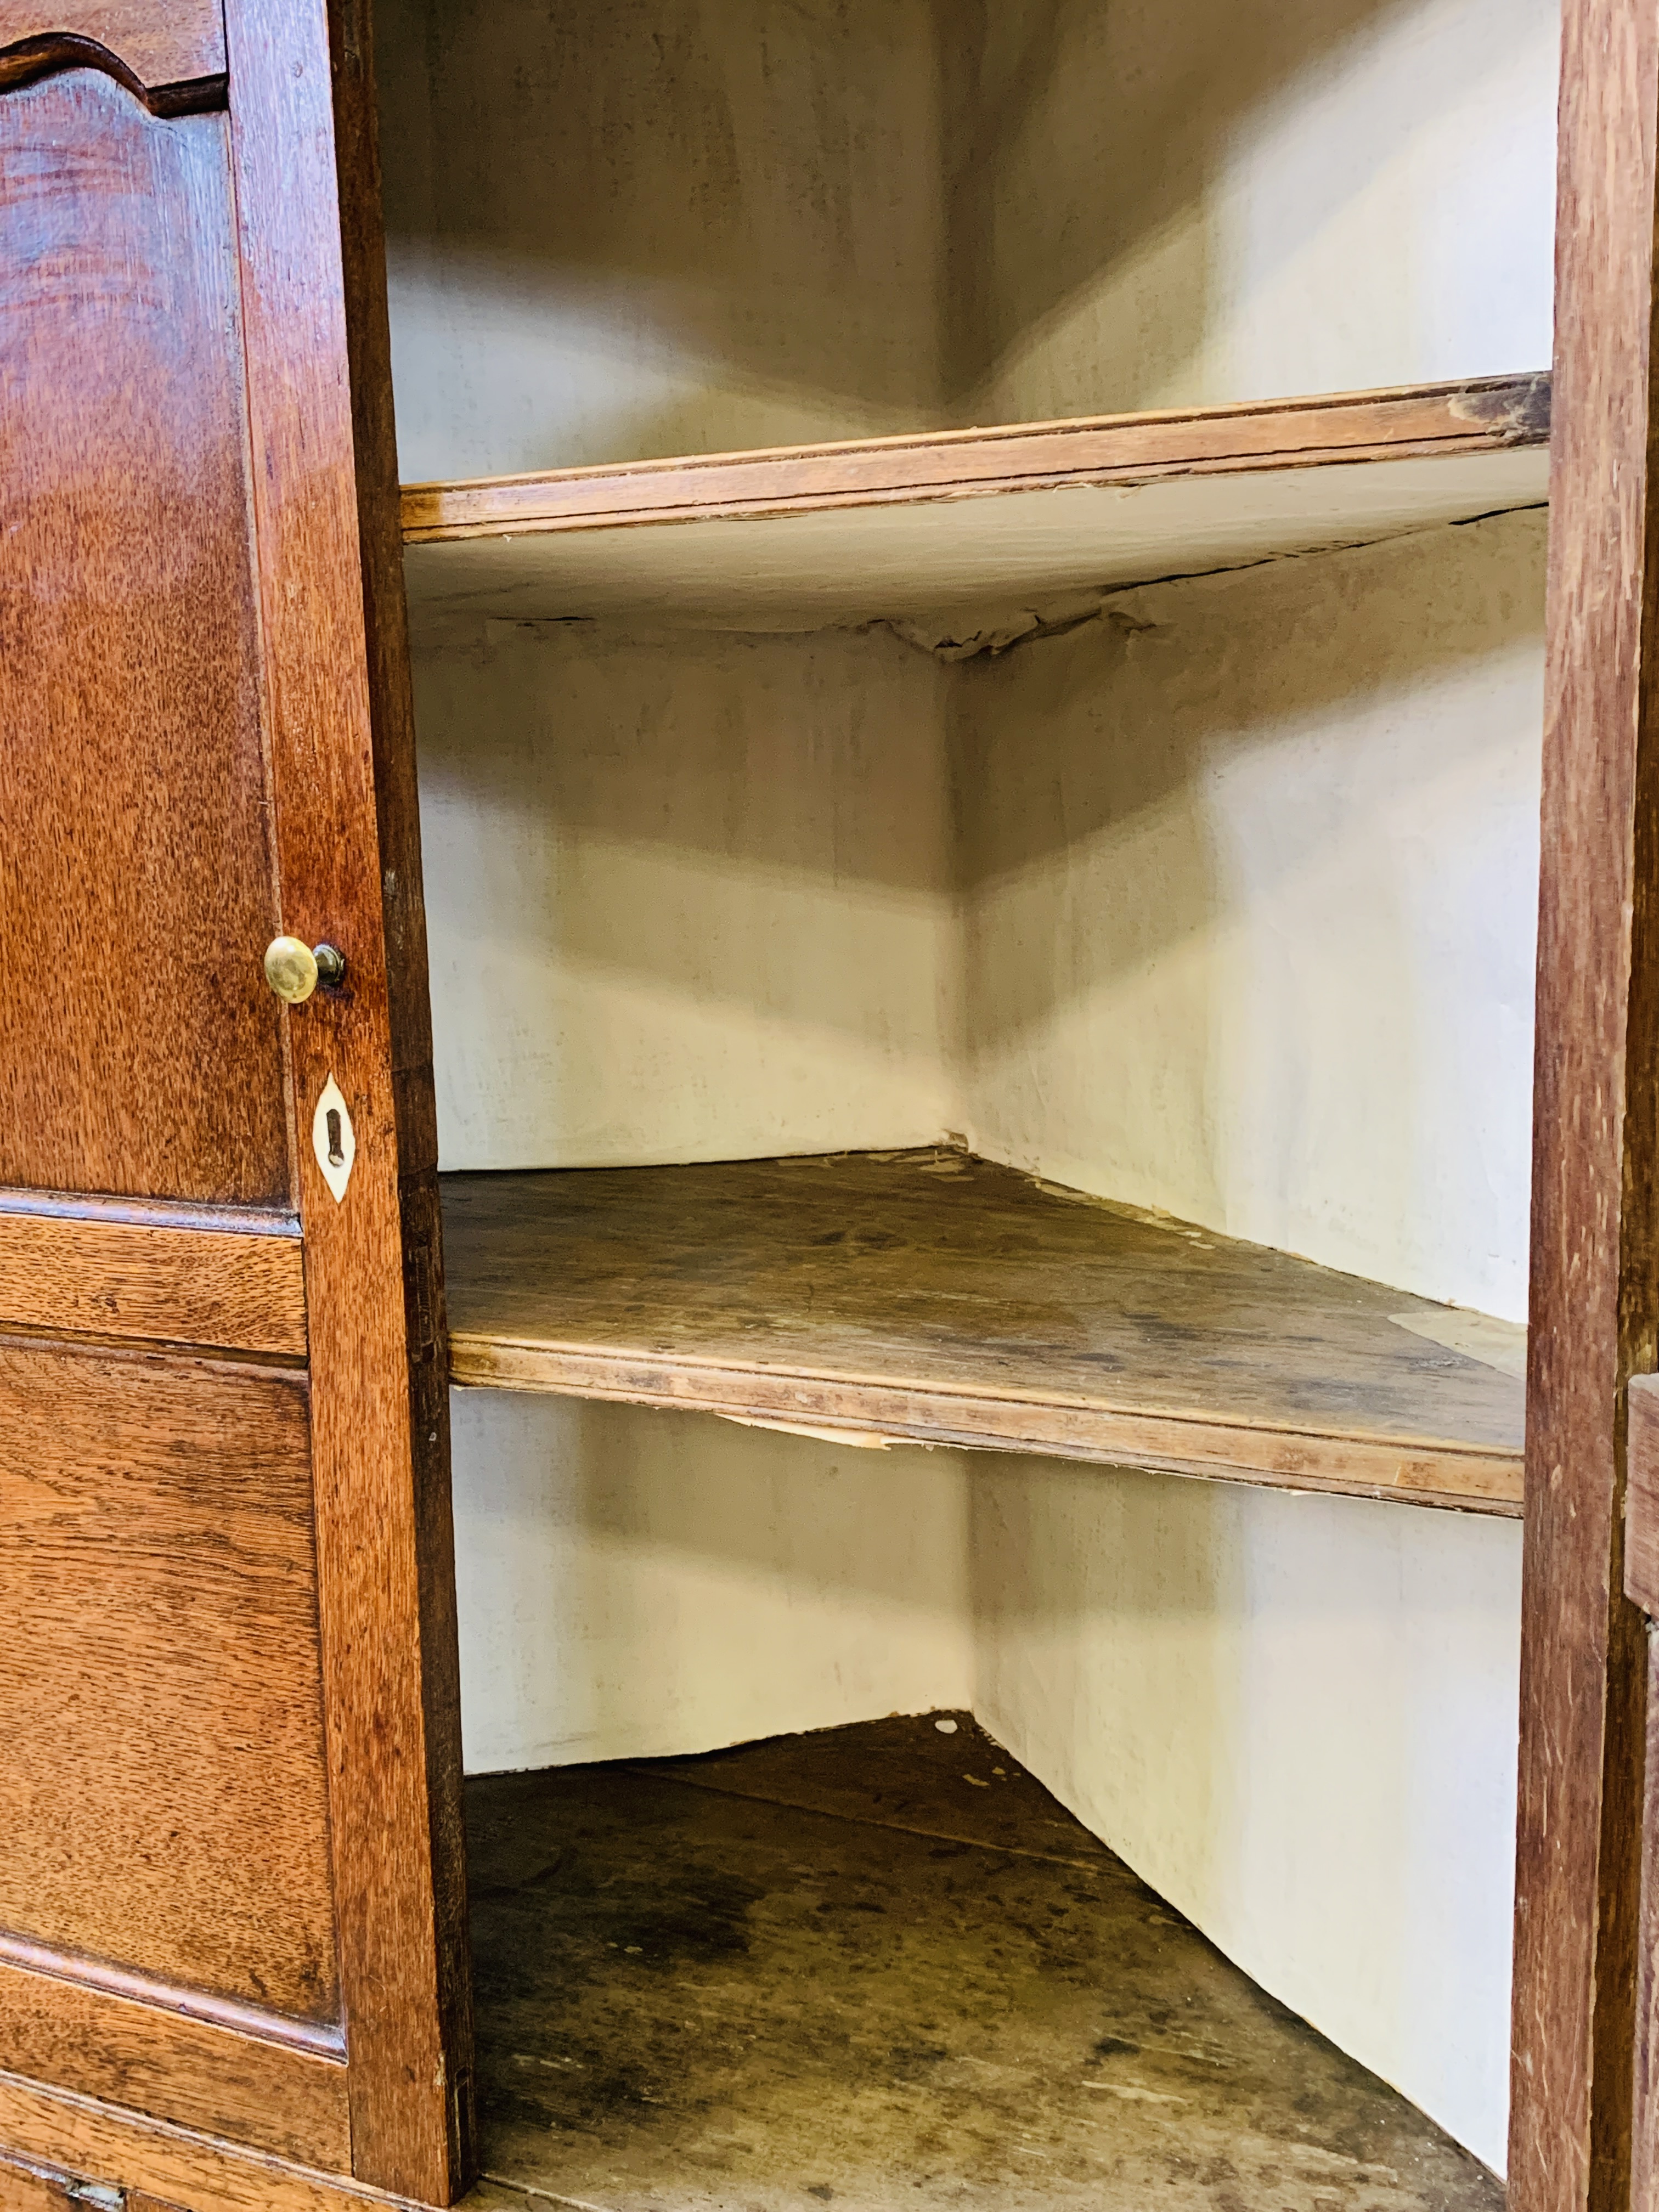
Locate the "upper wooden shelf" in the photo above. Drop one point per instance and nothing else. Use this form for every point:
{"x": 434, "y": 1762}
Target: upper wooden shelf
{"x": 932, "y": 1297}
{"x": 909, "y": 527}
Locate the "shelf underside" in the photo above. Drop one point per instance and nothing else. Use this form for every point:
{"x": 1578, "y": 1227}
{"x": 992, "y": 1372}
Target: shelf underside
{"x": 932, "y": 1297}
{"x": 960, "y": 521}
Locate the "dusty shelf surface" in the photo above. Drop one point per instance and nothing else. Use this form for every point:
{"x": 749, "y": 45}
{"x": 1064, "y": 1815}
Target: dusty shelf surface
{"x": 880, "y": 1965}
{"x": 910, "y": 528}
{"x": 934, "y": 1297}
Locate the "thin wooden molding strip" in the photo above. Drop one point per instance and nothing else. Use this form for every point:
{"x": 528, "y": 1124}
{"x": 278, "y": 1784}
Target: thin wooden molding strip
{"x": 937, "y": 1298}
{"x": 1489, "y": 416}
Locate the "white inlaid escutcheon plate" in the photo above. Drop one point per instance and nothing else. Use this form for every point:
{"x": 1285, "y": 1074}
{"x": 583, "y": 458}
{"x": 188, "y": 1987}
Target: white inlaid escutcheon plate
{"x": 333, "y": 1139}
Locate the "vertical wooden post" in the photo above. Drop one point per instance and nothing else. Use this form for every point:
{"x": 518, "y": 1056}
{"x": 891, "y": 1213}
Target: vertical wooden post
{"x": 1594, "y": 1296}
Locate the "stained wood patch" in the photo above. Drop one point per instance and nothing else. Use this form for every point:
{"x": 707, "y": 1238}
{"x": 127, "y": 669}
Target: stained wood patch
{"x": 932, "y": 1297}
{"x": 1486, "y": 417}
{"x": 1000, "y": 2014}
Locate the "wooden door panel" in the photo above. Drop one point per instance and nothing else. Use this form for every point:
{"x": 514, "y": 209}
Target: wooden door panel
{"x": 162, "y": 1793}
{"x": 231, "y": 1889}
{"x": 140, "y": 1053}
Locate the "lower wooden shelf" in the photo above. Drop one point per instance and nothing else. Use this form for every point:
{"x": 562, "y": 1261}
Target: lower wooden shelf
{"x": 880, "y": 1966}
{"x": 932, "y": 1298}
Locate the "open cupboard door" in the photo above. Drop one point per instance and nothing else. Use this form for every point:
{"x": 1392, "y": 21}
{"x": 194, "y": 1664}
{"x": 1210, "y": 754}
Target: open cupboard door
{"x": 231, "y": 1902}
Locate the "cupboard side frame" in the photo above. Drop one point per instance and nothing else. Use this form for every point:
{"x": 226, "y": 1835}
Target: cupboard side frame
{"x": 1594, "y": 1304}
{"x": 341, "y": 726}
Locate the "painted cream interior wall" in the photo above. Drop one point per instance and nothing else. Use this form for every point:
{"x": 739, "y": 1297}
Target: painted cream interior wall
{"x": 619, "y": 227}
{"x": 1296, "y": 1717}
{"x": 624, "y": 228}
{"x": 636, "y": 1584}
{"x": 689, "y": 898}
{"x": 1175, "y": 203}
{"x": 1249, "y": 877}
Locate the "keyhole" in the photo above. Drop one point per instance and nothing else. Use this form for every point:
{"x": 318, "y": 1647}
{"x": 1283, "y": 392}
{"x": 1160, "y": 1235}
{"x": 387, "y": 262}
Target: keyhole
{"x": 336, "y": 1157}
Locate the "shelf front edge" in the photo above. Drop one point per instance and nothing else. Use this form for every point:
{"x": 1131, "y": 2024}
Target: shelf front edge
{"x": 1463, "y": 1478}
{"x": 1492, "y": 414}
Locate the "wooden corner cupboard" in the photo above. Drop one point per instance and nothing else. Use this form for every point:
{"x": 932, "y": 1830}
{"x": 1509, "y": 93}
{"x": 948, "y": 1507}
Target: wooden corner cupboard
{"x": 234, "y": 1952}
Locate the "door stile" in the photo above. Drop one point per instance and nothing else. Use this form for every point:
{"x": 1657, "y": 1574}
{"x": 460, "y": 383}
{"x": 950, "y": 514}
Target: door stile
{"x": 341, "y": 748}
{"x": 1595, "y": 1299}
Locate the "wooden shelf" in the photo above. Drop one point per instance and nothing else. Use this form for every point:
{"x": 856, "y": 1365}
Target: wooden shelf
{"x": 908, "y": 526}
{"x": 932, "y": 1297}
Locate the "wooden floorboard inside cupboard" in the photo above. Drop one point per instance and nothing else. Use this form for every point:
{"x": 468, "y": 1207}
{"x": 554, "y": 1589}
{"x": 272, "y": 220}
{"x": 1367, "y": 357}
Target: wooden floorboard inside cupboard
{"x": 931, "y": 1296}
{"x": 881, "y": 1966}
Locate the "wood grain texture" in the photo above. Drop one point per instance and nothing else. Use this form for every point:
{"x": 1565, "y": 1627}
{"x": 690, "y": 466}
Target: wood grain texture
{"x": 935, "y": 1297}
{"x": 1485, "y": 417}
{"x": 305, "y": 196}
{"x": 397, "y": 816}
{"x": 162, "y": 1794}
{"x": 139, "y": 1050}
{"x": 1594, "y": 1300}
{"x": 254, "y": 2088}
{"x": 183, "y": 1285}
{"x": 162, "y": 2164}
{"x": 174, "y": 55}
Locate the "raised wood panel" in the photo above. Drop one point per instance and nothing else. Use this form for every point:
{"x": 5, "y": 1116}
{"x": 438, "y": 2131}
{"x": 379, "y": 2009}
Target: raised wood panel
{"x": 224, "y": 2080}
{"x": 140, "y": 1053}
{"x": 939, "y": 1298}
{"x": 162, "y": 46}
{"x": 1595, "y": 1176}
{"x": 162, "y": 1794}
{"x": 94, "y": 1275}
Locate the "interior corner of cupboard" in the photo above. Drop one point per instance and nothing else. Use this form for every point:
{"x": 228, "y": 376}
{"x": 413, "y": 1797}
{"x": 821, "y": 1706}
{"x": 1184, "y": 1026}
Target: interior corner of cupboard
{"x": 1222, "y": 903}
{"x": 653, "y": 228}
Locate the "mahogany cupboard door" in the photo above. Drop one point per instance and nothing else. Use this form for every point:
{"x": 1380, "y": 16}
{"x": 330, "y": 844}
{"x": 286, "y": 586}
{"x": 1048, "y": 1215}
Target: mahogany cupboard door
{"x": 230, "y": 1893}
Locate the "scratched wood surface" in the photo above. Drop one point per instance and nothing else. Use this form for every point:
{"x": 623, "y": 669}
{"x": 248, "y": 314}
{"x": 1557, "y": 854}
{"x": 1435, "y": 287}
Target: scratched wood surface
{"x": 797, "y": 539}
{"x": 1595, "y": 1177}
{"x": 934, "y": 1296}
